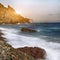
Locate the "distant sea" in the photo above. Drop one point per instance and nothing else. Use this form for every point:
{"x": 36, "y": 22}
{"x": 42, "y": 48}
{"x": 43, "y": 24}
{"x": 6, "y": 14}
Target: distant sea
{"x": 46, "y": 37}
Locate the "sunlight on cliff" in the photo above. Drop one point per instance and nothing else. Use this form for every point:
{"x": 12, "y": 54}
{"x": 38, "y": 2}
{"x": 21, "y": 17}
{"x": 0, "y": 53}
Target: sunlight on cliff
{"x": 18, "y": 12}
{"x": 8, "y": 15}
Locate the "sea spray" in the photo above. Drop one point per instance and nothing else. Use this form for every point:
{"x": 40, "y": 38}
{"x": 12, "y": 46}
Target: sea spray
{"x": 16, "y": 40}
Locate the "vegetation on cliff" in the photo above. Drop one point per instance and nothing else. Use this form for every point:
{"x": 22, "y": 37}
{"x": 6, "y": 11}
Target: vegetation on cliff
{"x": 9, "y": 16}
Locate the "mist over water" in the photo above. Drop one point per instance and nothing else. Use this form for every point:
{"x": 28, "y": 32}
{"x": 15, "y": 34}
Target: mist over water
{"x": 14, "y": 38}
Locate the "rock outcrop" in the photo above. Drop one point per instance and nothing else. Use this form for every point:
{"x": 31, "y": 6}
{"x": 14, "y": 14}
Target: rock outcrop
{"x": 9, "y": 16}
{"x": 37, "y": 53}
{"x": 28, "y": 30}
{"x": 7, "y": 52}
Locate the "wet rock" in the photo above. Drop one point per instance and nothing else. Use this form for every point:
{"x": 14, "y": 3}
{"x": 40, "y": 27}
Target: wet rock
{"x": 27, "y": 30}
{"x": 1, "y": 33}
{"x": 7, "y": 52}
{"x": 37, "y": 53}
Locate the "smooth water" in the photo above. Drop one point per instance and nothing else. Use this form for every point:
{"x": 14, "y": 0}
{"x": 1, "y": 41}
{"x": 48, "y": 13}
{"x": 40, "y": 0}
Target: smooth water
{"x": 46, "y": 37}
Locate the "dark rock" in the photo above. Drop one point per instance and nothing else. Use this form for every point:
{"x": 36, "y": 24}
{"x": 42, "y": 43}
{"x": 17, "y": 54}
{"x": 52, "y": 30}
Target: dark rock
{"x": 27, "y": 30}
{"x": 37, "y": 53}
{"x": 1, "y": 33}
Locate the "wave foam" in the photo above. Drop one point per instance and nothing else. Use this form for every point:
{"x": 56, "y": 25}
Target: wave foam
{"x": 17, "y": 41}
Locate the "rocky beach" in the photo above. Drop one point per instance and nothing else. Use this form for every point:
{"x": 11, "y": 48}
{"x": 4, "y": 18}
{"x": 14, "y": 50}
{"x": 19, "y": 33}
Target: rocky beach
{"x": 7, "y": 52}
{"x": 16, "y": 44}
{"x": 9, "y": 16}
{"x": 29, "y": 31}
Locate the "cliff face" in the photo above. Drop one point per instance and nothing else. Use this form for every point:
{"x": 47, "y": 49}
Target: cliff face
{"x": 9, "y": 16}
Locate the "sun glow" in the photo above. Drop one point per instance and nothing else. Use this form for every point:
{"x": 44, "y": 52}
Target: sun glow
{"x": 18, "y": 12}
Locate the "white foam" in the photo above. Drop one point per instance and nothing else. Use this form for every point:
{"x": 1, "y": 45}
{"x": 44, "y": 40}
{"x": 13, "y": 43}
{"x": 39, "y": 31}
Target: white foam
{"x": 52, "y": 48}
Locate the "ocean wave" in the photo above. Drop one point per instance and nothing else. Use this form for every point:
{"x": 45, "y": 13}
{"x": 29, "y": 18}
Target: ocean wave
{"x": 17, "y": 41}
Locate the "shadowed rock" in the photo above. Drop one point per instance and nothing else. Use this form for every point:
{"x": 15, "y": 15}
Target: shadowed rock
{"x": 37, "y": 53}
{"x": 27, "y": 30}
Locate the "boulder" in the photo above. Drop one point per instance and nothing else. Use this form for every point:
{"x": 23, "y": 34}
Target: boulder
{"x": 27, "y": 30}
{"x": 37, "y": 53}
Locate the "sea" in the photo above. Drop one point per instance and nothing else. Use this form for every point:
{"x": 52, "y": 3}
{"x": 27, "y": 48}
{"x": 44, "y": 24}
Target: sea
{"x": 46, "y": 37}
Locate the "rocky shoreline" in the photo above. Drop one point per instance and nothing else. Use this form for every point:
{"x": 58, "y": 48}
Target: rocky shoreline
{"x": 7, "y": 52}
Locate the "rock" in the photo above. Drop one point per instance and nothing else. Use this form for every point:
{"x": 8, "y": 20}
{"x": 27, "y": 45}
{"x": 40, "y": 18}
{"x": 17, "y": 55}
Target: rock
{"x": 7, "y": 52}
{"x": 37, "y": 53}
{"x": 27, "y": 30}
{"x": 9, "y": 16}
{"x": 1, "y": 33}
{"x": 1, "y": 5}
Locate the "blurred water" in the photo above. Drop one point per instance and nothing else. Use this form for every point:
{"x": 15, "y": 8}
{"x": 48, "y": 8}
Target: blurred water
{"x": 46, "y": 37}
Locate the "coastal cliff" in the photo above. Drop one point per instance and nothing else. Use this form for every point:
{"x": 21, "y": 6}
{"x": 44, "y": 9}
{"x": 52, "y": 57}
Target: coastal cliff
{"x": 9, "y": 16}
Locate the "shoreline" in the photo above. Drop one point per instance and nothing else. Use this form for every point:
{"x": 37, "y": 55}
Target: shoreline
{"x": 10, "y": 53}
{"x": 7, "y": 52}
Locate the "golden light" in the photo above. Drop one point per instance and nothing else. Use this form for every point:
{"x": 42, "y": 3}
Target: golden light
{"x": 18, "y": 12}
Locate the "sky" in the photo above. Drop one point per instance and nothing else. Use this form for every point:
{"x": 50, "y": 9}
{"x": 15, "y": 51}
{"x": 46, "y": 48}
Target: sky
{"x": 36, "y": 10}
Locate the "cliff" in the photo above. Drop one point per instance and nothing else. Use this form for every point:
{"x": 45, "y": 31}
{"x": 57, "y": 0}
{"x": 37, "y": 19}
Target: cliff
{"x": 9, "y": 16}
